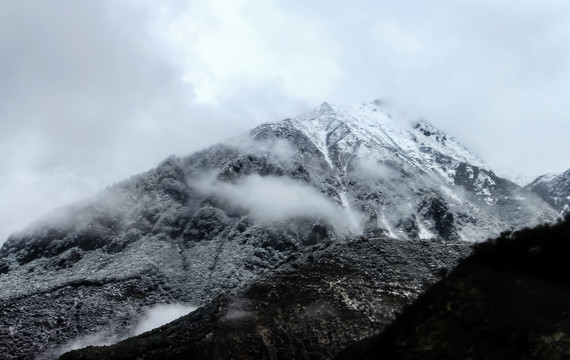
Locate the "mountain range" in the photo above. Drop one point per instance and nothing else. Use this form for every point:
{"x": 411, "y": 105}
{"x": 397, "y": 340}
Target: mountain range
{"x": 196, "y": 228}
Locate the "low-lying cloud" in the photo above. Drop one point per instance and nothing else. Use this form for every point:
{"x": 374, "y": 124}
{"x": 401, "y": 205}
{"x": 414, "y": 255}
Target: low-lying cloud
{"x": 374, "y": 169}
{"x": 155, "y": 317}
{"x": 280, "y": 148}
{"x": 272, "y": 199}
{"x": 162, "y": 314}
{"x": 103, "y": 338}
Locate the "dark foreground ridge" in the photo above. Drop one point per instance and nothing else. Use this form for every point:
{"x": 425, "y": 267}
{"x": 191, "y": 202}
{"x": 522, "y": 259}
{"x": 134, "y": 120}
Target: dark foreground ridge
{"x": 327, "y": 297}
{"x": 509, "y": 300}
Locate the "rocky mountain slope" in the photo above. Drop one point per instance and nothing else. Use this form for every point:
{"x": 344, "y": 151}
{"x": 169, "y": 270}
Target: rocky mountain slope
{"x": 554, "y": 189}
{"x": 311, "y": 307}
{"x": 196, "y": 227}
{"x": 509, "y": 300}
{"x": 407, "y": 179}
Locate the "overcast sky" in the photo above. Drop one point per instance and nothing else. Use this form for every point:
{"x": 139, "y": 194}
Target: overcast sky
{"x": 92, "y": 92}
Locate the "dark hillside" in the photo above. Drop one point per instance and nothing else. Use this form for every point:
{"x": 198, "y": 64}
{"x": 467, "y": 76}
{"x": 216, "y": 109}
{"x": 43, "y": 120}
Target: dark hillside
{"x": 320, "y": 301}
{"x": 509, "y": 300}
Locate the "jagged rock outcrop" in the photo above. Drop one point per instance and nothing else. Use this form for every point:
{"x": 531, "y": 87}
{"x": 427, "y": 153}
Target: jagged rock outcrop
{"x": 311, "y": 307}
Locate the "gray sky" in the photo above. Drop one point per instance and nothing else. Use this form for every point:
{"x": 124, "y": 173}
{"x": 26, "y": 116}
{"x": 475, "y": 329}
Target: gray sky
{"x": 92, "y": 92}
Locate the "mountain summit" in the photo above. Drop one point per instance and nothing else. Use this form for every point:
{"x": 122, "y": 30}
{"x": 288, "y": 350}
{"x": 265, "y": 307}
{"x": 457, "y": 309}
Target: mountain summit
{"x": 404, "y": 178}
{"x": 198, "y": 226}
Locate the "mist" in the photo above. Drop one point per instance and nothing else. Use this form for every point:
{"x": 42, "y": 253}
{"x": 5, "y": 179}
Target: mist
{"x": 272, "y": 199}
{"x": 154, "y": 317}
{"x": 280, "y": 148}
{"x": 160, "y": 315}
{"x": 375, "y": 170}
{"x": 102, "y": 338}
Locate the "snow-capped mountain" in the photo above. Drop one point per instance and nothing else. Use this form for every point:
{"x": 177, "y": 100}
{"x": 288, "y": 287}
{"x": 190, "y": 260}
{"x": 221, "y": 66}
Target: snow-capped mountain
{"x": 407, "y": 179}
{"x": 197, "y": 226}
{"x": 554, "y": 189}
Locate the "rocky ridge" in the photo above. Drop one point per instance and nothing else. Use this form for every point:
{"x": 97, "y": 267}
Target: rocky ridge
{"x": 318, "y": 302}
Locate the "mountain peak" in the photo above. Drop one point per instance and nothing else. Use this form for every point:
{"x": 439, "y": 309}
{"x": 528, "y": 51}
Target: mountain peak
{"x": 325, "y": 108}
{"x": 379, "y": 130}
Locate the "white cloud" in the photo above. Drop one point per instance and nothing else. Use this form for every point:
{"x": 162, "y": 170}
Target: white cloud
{"x": 89, "y": 97}
{"x": 160, "y": 315}
{"x": 273, "y": 199}
{"x": 280, "y": 148}
{"x": 373, "y": 169}
{"x": 98, "y": 339}
{"x": 155, "y": 316}
{"x": 231, "y": 44}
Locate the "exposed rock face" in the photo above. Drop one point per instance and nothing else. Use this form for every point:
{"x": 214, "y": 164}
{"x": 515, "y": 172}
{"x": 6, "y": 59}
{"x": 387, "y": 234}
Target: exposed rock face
{"x": 318, "y": 302}
{"x": 509, "y": 300}
{"x": 196, "y": 227}
{"x": 554, "y": 189}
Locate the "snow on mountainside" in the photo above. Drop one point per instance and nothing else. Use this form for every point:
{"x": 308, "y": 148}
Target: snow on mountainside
{"x": 554, "y": 189}
{"x": 195, "y": 227}
{"x": 408, "y": 179}
{"x": 373, "y": 130}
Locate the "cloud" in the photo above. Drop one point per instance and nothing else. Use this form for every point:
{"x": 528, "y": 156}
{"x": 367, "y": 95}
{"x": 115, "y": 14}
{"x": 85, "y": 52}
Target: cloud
{"x": 228, "y": 44}
{"x": 280, "y": 148}
{"x": 272, "y": 199}
{"x": 373, "y": 169}
{"x": 483, "y": 71}
{"x": 160, "y": 315}
{"x": 98, "y": 339}
{"x": 155, "y": 316}
{"x": 89, "y": 97}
